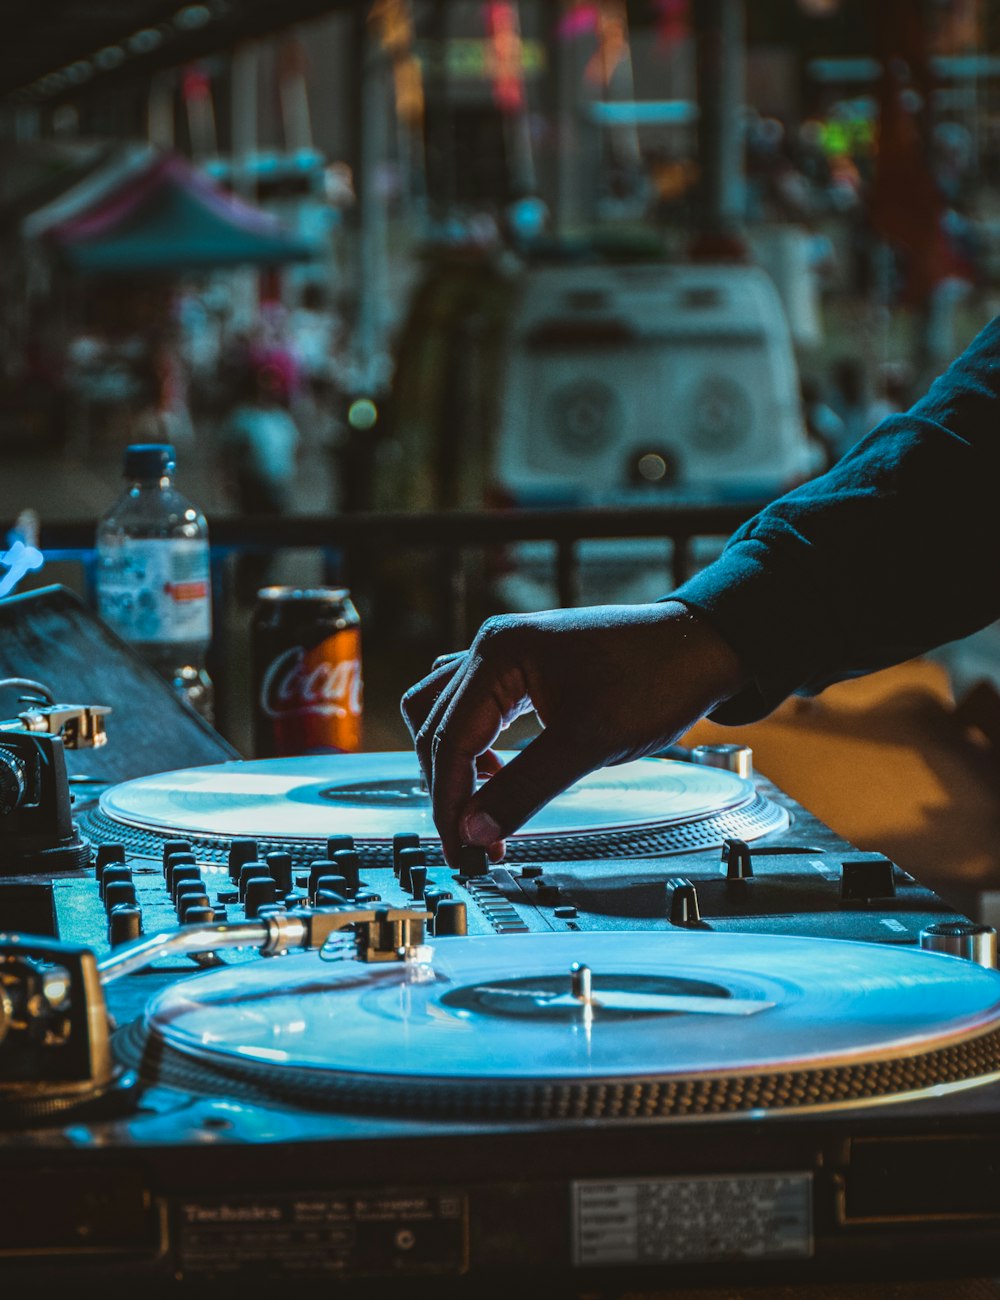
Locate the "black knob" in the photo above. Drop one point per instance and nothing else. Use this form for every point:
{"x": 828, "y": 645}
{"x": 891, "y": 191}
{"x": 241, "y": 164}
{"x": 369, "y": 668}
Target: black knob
{"x": 736, "y": 859}
{"x": 348, "y": 865}
{"x": 403, "y": 840}
{"x": 186, "y": 871}
{"x": 124, "y": 924}
{"x": 178, "y": 859}
{"x": 867, "y": 878}
{"x": 684, "y": 908}
{"x": 338, "y": 843}
{"x": 473, "y": 860}
{"x": 110, "y": 875}
{"x": 531, "y": 871}
{"x": 432, "y": 897}
{"x": 247, "y": 872}
{"x": 198, "y": 915}
{"x": 331, "y": 885}
{"x": 195, "y": 900}
{"x": 547, "y": 891}
{"x": 321, "y": 867}
{"x": 240, "y": 853}
{"x": 280, "y": 867}
{"x": 189, "y": 889}
{"x": 260, "y": 890}
{"x": 418, "y": 880}
{"x": 407, "y": 859}
{"x": 106, "y": 854}
{"x": 328, "y": 897}
{"x": 174, "y": 846}
{"x": 450, "y": 918}
{"x": 118, "y": 891}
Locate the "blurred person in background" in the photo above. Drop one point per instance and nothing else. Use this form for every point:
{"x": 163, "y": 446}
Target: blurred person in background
{"x": 259, "y": 444}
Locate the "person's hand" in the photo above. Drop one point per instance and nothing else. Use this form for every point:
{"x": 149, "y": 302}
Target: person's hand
{"x": 608, "y": 683}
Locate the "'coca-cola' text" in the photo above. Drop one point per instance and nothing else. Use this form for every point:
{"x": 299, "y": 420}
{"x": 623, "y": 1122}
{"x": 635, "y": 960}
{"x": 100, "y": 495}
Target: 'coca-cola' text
{"x": 294, "y": 687}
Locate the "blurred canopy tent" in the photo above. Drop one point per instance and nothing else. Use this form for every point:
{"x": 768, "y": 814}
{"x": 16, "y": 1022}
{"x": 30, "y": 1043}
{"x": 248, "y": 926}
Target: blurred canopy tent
{"x": 156, "y": 213}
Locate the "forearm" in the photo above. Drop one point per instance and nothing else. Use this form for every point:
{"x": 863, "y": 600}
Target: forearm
{"x": 870, "y": 563}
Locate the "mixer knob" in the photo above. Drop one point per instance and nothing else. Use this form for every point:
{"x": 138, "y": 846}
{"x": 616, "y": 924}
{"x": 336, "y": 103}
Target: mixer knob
{"x": 400, "y": 841}
{"x": 124, "y": 924}
{"x": 196, "y": 914}
{"x": 866, "y": 879}
{"x": 736, "y": 859}
{"x": 321, "y": 867}
{"x": 418, "y": 880}
{"x": 684, "y": 909}
{"x": 407, "y": 859}
{"x": 118, "y": 891}
{"x": 330, "y": 885}
{"x": 113, "y": 874}
{"x": 184, "y": 871}
{"x": 192, "y": 901}
{"x": 547, "y": 891}
{"x": 339, "y": 844}
{"x": 966, "y": 939}
{"x": 240, "y": 853}
{"x": 260, "y": 890}
{"x": 473, "y": 860}
{"x": 280, "y": 867}
{"x": 174, "y": 846}
{"x": 189, "y": 889}
{"x": 248, "y": 871}
{"x": 432, "y": 897}
{"x": 450, "y": 918}
{"x": 348, "y": 865}
{"x": 175, "y": 860}
{"x": 328, "y": 897}
{"x": 106, "y": 854}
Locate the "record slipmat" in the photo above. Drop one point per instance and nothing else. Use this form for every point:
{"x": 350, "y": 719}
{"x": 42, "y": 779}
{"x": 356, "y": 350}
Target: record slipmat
{"x": 649, "y": 806}
{"x": 673, "y": 1025}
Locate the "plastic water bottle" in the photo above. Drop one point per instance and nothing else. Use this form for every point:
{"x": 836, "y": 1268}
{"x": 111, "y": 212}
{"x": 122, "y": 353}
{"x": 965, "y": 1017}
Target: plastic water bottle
{"x": 153, "y": 576}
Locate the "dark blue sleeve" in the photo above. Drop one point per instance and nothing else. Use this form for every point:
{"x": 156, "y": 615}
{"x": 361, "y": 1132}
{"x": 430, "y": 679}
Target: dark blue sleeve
{"x": 894, "y": 550}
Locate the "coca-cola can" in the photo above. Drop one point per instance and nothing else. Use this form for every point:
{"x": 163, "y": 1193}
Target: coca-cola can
{"x": 306, "y": 666}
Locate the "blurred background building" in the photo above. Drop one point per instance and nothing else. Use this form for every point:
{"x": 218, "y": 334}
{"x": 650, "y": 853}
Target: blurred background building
{"x": 459, "y": 255}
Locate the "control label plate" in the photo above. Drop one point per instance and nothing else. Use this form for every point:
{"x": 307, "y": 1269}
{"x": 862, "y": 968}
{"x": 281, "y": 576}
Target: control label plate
{"x": 692, "y": 1220}
{"x": 385, "y": 1231}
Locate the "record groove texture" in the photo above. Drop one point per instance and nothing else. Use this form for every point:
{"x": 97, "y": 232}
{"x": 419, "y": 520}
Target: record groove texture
{"x": 726, "y": 1095}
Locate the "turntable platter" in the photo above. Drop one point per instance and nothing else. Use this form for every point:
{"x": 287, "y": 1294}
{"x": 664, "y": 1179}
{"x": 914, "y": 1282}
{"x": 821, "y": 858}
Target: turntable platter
{"x": 721, "y": 1023}
{"x": 297, "y": 801}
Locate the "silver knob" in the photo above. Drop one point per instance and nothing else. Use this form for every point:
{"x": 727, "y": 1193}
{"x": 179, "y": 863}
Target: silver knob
{"x": 733, "y": 758}
{"x": 966, "y": 939}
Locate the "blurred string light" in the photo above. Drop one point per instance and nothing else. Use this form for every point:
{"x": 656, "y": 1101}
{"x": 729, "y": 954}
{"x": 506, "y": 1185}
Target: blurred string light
{"x": 393, "y": 21}
{"x": 189, "y": 18}
{"x": 362, "y": 413}
{"x": 505, "y": 58}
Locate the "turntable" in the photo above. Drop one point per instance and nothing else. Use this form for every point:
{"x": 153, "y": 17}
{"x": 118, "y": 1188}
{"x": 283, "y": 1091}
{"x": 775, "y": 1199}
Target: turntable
{"x": 683, "y": 1035}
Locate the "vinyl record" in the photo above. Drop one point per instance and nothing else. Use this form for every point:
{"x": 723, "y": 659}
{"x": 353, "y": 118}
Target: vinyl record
{"x": 673, "y": 1024}
{"x": 300, "y": 801}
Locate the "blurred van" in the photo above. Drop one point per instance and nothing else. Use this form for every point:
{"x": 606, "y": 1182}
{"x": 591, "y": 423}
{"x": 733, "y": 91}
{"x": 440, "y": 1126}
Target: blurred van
{"x": 589, "y": 383}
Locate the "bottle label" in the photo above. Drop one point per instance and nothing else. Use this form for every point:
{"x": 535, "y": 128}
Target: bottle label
{"x": 156, "y": 589}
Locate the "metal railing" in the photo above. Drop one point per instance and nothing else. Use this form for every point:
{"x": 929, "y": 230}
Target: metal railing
{"x": 353, "y": 544}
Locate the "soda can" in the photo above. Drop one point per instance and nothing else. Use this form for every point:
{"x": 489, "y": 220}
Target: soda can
{"x": 306, "y": 671}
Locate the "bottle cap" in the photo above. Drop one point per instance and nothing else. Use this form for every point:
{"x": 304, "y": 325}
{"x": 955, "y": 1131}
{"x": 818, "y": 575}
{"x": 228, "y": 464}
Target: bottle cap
{"x": 149, "y": 460}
